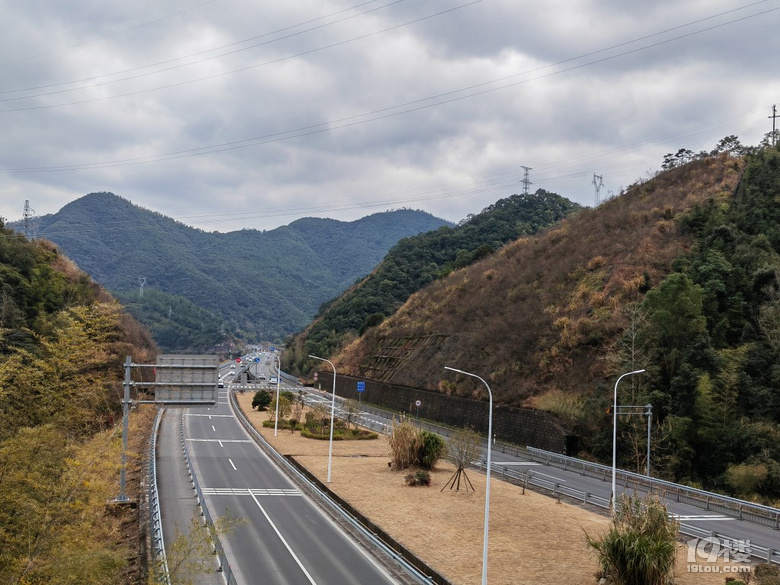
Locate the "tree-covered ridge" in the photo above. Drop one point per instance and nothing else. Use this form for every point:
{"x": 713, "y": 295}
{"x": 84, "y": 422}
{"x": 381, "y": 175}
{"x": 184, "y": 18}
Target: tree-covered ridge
{"x": 677, "y": 276}
{"x": 260, "y": 285}
{"x": 418, "y": 260}
{"x": 62, "y": 344}
{"x": 173, "y": 318}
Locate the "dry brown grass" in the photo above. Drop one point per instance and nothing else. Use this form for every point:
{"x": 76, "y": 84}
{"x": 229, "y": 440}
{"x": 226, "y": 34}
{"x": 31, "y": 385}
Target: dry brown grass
{"x": 533, "y": 538}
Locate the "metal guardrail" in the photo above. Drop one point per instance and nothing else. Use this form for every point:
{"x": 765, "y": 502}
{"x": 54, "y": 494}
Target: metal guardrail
{"x": 558, "y": 488}
{"x": 762, "y": 553}
{"x": 763, "y": 515}
{"x": 741, "y": 509}
{"x": 410, "y": 569}
{"x": 159, "y": 560}
{"x": 224, "y": 564}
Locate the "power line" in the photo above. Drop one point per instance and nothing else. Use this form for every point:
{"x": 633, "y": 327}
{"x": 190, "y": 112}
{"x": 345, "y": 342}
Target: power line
{"x": 173, "y": 60}
{"x": 224, "y": 73}
{"x": 355, "y": 119}
{"x": 361, "y": 37}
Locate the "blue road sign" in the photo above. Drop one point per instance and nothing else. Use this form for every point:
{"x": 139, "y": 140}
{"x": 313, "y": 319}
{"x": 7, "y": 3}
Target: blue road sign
{"x": 361, "y": 386}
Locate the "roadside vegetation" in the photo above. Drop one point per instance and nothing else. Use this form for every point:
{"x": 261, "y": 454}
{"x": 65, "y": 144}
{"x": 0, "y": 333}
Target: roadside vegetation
{"x": 62, "y": 344}
{"x": 678, "y": 275}
{"x": 640, "y": 546}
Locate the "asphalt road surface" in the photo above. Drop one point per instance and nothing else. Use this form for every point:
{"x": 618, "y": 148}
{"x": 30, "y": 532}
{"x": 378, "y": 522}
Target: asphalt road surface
{"x": 285, "y": 538}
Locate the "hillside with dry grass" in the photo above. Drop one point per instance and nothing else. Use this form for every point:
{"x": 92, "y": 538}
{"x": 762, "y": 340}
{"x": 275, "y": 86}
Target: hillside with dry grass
{"x": 544, "y": 313}
{"x": 679, "y": 276}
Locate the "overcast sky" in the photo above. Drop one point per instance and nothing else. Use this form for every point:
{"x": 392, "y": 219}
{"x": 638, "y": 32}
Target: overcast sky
{"x": 231, "y": 114}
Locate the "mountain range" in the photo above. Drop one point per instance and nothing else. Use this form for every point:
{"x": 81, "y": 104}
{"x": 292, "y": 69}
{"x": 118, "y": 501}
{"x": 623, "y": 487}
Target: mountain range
{"x": 193, "y": 288}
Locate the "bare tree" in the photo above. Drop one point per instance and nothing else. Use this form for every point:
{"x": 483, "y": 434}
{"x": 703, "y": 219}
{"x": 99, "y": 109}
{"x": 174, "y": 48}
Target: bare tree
{"x": 464, "y": 447}
{"x": 351, "y": 412}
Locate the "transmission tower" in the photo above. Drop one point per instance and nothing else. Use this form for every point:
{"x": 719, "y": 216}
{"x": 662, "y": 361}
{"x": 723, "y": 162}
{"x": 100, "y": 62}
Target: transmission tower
{"x": 526, "y": 181}
{"x": 30, "y": 224}
{"x": 142, "y": 282}
{"x": 598, "y": 183}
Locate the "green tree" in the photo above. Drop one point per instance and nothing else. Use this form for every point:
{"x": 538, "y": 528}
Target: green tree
{"x": 261, "y": 400}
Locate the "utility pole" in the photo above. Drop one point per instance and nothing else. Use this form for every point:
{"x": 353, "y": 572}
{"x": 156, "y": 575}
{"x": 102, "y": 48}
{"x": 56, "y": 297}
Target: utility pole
{"x": 142, "y": 282}
{"x": 774, "y": 118}
{"x": 598, "y": 183}
{"x": 526, "y": 181}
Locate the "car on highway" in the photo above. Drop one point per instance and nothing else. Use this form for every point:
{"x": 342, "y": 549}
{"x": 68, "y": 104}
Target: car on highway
{"x": 274, "y": 380}
{"x": 221, "y": 383}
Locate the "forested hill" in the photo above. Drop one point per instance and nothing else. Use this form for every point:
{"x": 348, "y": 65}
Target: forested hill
{"x": 260, "y": 285}
{"x": 63, "y": 341}
{"x": 416, "y": 261}
{"x": 679, "y": 276}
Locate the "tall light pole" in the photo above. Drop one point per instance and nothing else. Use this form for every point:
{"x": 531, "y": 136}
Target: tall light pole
{"x": 332, "y": 411}
{"x": 614, "y": 435}
{"x": 278, "y": 381}
{"x": 487, "y": 486}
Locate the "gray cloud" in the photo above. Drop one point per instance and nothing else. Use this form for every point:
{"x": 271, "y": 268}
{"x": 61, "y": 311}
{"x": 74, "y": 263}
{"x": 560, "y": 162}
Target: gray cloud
{"x": 227, "y": 115}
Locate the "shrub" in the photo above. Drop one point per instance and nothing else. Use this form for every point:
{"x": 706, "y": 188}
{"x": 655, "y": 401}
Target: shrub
{"x": 412, "y": 446}
{"x": 419, "y": 477}
{"x": 261, "y": 399}
{"x": 431, "y": 448}
{"x": 767, "y": 574}
{"x": 403, "y": 445}
{"x": 639, "y": 548}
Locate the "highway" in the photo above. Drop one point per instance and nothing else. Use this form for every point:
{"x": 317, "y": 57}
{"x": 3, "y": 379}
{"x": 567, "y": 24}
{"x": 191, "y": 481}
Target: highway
{"x": 694, "y": 520}
{"x": 288, "y": 539}
{"x": 285, "y": 537}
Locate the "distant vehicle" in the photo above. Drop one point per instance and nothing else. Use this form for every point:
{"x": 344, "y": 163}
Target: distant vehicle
{"x": 232, "y": 366}
{"x": 221, "y": 383}
{"x": 274, "y": 380}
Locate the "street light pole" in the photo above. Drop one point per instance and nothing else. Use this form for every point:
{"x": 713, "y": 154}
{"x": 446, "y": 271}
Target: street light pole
{"x": 614, "y": 435}
{"x": 649, "y": 423}
{"x": 487, "y": 485}
{"x": 278, "y": 381}
{"x": 332, "y": 411}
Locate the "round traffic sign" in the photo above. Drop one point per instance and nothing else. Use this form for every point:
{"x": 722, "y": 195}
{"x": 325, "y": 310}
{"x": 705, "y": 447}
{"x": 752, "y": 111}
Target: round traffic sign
{"x": 418, "y": 403}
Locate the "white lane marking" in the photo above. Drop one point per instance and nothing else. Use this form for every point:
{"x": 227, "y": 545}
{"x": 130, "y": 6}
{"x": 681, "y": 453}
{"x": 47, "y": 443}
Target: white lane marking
{"x": 212, "y": 415}
{"x": 213, "y": 429}
{"x": 220, "y": 440}
{"x": 220, "y": 444}
{"x": 702, "y": 517}
{"x": 511, "y": 463}
{"x": 250, "y": 491}
{"x": 284, "y": 542}
{"x": 232, "y": 464}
